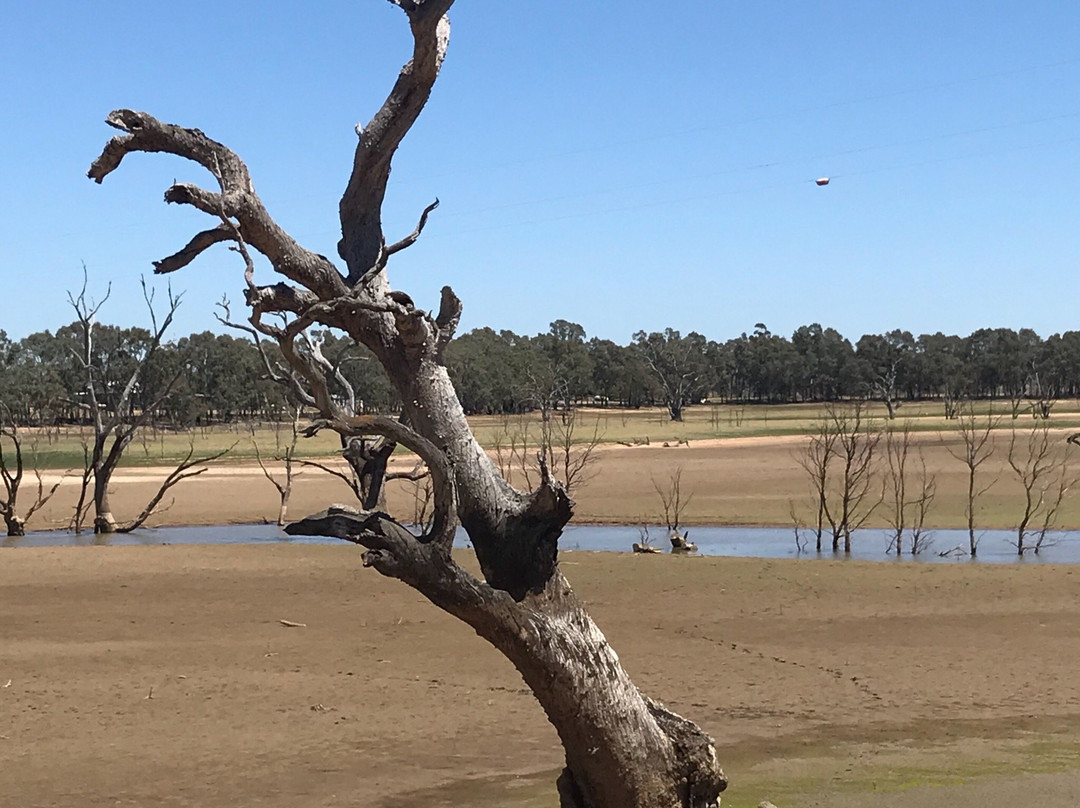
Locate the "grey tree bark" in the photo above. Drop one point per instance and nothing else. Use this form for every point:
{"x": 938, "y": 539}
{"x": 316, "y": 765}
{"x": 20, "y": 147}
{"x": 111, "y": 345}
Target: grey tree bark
{"x": 623, "y": 750}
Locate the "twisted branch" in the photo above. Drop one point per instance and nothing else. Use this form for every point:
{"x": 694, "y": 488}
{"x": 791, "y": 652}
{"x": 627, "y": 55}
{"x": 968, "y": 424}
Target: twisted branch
{"x": 145, "y": 133}
{"x": 362, "y": 243}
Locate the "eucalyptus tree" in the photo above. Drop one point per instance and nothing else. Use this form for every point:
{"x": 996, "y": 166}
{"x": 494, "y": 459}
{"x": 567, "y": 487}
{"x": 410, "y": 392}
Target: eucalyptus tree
{"x": 31, "y": 390}
{"x": 622, "y": 748}
{"x": 225, "y": 375}
{"x": 679, "y": 364}
{"x": 887, "y": 362}
{"x": 942, "y": 371}
{"x": 566, "y": 375}
{"x": 482, "y": 365}
{"x": 770, "y": 365}
{"x": 825, "y": 365}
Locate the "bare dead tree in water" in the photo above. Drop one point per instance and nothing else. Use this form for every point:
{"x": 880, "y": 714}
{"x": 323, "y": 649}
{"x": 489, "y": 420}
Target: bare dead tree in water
{"x": 976, "y": 447}
{"x": 190, "y": 466}
{"x": 910, "y": 490}
{"x": 623, "y": 750}
{"x": 674, "y": 501}
{"x": 287, "y": 457}
{"x": 12, "y": 469}
{"x": 1043, "y": 467}
{"x": 115, "y": 419}
{"x": 851, "y": 489}
{"x": 926, "y": 492}
{"x": 815, "y": 460}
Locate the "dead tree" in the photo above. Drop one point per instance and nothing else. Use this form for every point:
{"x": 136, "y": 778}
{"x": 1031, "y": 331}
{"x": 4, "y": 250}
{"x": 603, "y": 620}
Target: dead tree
{"x": 951, "y": 402}
{"x": 910, "y": 490}
{"x": 1043, "y": 400}
{"x": 815, "y": 459}
{"x": 926, "y": 492}
{"x": 115, "y": 419}
{"x": 287, "y": 457}
{"x": 976, "y": 447}
{"x": 674, "y": 504}
{"x": 563, "y": 449}
{"x": 852, "y": 495}
{"x": 622, "y": 748}
{"x": 897, "y": 446}
{"x": 190, "y": 466}
{"x": 1043, "y": 470}
{"x": 557, "y": 444}
{"x": 12, "y": 477}
{"x": 644, "y": 546}
{"x": 673, "y": 500}
{"x": 884, "y": 386}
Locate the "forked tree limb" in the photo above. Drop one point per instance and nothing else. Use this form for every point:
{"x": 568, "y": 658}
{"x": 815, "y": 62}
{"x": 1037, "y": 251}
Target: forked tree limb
{"x": 360, "y": 209}
{"x": 385, "y": 252}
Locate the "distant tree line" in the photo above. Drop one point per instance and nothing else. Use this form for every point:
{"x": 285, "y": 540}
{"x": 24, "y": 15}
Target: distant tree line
{"x": 202, "y": 378}
{"x": 501, "y": 371}
{"x": 222, "y": 378}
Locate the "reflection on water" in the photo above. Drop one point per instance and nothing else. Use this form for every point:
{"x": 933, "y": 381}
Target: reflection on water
{"x": 995, "y": 546}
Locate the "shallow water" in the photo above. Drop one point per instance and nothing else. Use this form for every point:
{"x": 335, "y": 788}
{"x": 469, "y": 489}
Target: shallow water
{"x": 995, "y": 546}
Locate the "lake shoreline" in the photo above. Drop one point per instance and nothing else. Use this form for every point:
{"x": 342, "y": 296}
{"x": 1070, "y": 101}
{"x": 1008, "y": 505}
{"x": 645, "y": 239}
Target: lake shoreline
{"x": 868, "y": 544}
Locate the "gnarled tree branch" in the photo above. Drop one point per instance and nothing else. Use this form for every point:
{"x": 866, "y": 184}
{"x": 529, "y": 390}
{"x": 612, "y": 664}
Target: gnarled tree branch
{"x": 360, "y": 210}
{"x": 193, "y": 249}
{"x": 144, "y": 133}
{"x": 445, "y": 522}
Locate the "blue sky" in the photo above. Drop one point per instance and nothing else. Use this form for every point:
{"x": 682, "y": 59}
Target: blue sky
{"x": 643, "y": 168}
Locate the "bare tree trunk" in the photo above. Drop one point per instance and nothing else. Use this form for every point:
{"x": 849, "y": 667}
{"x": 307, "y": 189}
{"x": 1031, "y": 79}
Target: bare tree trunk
{"x": 854, "y": 442}
{"x": 104, "y": 521}
{"x": 623, "y": 750}
{"x": 562, "y": 655}
{"x": 1042, "y": 469}
{"x": 976, "y": 447}
{"x": 897, "y": 446}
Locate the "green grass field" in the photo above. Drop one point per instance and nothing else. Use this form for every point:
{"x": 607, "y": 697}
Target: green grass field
{"x": 62, "y": 448}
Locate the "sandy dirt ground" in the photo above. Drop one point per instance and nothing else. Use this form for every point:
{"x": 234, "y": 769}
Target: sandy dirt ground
{"x": 161, "y": 676}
